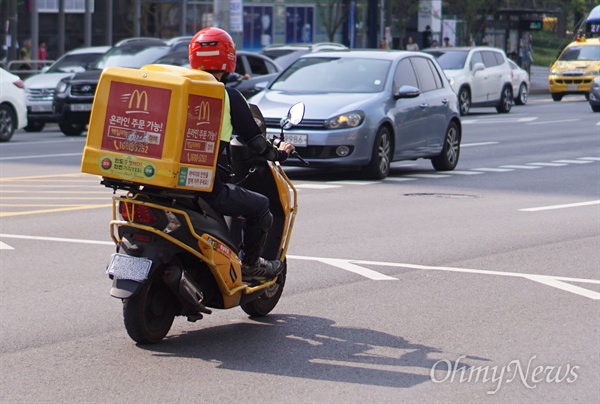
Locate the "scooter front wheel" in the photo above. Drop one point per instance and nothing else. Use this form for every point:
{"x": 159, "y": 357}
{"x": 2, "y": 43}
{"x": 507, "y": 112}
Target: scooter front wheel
{"x": 262, "y": 305}
{"x": 149, "y": 314}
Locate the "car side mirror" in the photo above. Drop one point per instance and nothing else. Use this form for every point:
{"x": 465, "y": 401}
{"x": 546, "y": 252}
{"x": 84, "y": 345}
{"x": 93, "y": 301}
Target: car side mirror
{"x": 478, "y": 67}
{"x": 261, "y": 85}
{"x": 407, "y": 92}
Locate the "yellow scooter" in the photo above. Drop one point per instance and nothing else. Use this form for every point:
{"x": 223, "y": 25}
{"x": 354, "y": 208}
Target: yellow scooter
{"x": 176, "y": 256}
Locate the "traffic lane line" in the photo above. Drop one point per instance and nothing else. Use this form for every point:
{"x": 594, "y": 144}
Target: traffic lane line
{"x": 565, "y": 206}
{"x": 354, "y": 266}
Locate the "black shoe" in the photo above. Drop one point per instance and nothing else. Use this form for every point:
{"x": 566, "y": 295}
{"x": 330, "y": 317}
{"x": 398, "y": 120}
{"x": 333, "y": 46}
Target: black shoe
{"x": 262, "y": 269}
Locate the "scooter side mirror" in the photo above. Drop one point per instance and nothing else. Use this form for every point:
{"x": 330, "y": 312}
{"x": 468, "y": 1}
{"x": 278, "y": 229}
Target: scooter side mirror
{"x": 296, "y": 113}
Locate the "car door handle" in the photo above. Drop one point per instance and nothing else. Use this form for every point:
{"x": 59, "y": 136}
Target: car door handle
{"x": 424, "y": 105}
{"x": 445, "y": 101}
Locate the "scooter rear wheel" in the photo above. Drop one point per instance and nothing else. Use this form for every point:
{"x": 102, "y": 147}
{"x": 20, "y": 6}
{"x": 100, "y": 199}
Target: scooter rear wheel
{"x": 149, "y": 314}
{"x": 266, "y": 302}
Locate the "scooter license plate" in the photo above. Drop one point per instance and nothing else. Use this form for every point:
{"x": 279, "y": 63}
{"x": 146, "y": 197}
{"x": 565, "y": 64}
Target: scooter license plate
{"x": 127, "y": 267}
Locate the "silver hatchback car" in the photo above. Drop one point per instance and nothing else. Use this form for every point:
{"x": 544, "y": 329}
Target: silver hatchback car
{"x": 367, "y": 108}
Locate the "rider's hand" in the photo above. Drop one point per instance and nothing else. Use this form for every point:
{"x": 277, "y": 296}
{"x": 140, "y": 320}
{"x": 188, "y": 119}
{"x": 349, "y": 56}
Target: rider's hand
{"x": 286, "y": 147}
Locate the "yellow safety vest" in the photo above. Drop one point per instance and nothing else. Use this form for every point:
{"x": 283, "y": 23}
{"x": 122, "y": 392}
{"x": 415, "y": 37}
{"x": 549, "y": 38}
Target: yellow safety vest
{"x": 226, "y": 125}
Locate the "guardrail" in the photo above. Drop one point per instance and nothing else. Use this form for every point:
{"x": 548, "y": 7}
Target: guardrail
{"x": 26, "y": 68}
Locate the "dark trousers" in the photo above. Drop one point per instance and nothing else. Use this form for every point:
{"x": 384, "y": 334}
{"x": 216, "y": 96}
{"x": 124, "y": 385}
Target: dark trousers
{"x": 235, "y": 201}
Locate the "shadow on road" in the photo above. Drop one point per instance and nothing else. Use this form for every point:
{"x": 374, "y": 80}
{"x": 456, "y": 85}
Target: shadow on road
{"x": 308, "y": 347}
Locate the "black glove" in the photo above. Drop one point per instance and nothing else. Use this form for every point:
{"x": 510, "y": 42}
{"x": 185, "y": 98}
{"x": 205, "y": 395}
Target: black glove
{"x": 266, "y": 149}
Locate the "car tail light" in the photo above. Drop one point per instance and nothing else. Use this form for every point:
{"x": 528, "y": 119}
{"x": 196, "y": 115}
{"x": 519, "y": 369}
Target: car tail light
{"x": 19, "y": 84}
{"x": 136, "y": 213}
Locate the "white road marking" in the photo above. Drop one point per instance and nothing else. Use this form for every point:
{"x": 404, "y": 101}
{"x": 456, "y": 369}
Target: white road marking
{"x": 353, "y": 266}
{"x": 521, "y": 167}
{"x": 499, "y": 120}
{"x": 590, "y": 158}
{"x": 464, "y": 172}
{"x": 546, "y": 122}
{"x": 569, "y": 205}
{"x": 65, "y": 240}
{"x": 4, "y": 246}
{"x": 573, "y": 161}
{"x": 494, "y": 170}
{"x": 348, "y": 266}
{"x": 427, "y": 175}
{"x": 477, "y": 144}
{"x": 399, "y": 179}
{"x": 549, "y": 164}
{"x": 554, "y": 281}
{"x": 39, "y": 156}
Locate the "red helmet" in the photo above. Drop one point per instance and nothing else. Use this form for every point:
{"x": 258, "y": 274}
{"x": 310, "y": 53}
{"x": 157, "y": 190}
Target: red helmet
{"x": 212, "y": 49}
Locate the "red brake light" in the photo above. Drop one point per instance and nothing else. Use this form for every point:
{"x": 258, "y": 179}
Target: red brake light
{"x": 19, "y": 84}
{"x": 133, "y": 212}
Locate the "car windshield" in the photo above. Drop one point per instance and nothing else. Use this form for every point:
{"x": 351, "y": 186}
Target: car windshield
{"x": 73, "y": 63}
{"x": 334, "y": 75}
{"x": 130, "y": 56}
{"x": 589, "y": 52}
{"x": 450, "y": 60}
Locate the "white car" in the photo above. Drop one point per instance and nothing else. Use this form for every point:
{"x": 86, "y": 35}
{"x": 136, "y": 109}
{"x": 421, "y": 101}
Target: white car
{"x": 481, "y": 76}
{"x": 40, "y": 88}
{"x": 520, "y": 81}
{"x": 13, "y": 106}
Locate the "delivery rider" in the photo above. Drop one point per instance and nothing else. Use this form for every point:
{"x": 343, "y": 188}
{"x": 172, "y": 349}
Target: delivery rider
{"x": 212, "y": 50}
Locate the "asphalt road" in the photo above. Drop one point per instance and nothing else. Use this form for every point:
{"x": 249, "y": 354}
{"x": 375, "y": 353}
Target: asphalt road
{"x": 477, "y": 285}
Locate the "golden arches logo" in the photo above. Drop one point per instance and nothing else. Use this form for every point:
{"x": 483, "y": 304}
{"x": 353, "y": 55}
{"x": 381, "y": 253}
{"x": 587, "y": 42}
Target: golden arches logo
{"x": 203, "y": 112}
{"x": 139, "y": 97}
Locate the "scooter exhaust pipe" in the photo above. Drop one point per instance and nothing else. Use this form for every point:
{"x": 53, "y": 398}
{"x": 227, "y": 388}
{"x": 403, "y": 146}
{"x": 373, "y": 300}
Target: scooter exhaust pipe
{"x": 185, "y": 288}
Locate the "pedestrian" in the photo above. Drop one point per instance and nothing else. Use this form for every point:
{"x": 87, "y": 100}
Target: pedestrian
{"x": 427, "y": 37}
{"x": 42, "y": 55}
{"x": 25, "y": 54}
{"x": 212, "y": 50}
{"x": 435, "y": 44}
{"x": 411, "y": 45}
{"x": 447, "y": 43}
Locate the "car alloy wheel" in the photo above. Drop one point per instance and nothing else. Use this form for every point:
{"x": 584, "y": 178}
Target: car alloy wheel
{"x": 379, "y": 167}
{"x": 464, "y": 101}
{"x": 8, "y": 123}
{"x": 523, "y": 95}
{"x": 448, "y": 158}
{"x": 506, "y": 100}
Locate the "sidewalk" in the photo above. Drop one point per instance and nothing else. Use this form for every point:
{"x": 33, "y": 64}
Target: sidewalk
{"x": 538, "y": 80}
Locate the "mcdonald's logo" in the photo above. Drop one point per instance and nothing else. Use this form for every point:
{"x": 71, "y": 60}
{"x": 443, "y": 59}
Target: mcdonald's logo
{"x": 138, "y": 98}
{"x": 203, "y": 113}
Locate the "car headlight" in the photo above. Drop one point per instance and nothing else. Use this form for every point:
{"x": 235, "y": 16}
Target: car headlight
{"x": 348, "y": 120}
{"x": 555, "y": 72}
{"x": 61, "y": 87}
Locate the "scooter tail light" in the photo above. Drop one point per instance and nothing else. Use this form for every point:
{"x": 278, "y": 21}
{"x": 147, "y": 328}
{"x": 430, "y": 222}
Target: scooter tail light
{"x": 136, "y": 213}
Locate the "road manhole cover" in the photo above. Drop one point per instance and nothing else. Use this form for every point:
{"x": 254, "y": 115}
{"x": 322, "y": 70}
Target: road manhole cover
{"x": 447, "y": 196}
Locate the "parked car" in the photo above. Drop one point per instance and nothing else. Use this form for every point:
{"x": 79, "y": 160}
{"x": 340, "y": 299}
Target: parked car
{"x": 74, "y": 95}
{"x": 366, "y": 108}
{"x": 249, "y": 69}
{"x": 520, "y": 83}
{"x": 594, "y": 95}
{"x": 481, "y": 76}
{"x": 286, "y": 54}
{"x": 13, "y": 105}
{"x": 40, "y": 88}
{"x": 575, "y": 69}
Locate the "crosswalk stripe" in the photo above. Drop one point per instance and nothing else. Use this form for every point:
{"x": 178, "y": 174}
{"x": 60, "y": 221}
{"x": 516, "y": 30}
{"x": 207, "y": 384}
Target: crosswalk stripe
{"x": 548, "y": 164}
{"x": 573, "y": 161}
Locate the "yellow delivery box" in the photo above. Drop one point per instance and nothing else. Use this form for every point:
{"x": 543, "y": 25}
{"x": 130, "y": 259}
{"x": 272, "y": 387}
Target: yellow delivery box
{"x": 159, "y": 125}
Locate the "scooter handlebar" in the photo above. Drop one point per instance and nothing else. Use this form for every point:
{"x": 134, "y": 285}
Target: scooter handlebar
{"x": 294, "y": 153}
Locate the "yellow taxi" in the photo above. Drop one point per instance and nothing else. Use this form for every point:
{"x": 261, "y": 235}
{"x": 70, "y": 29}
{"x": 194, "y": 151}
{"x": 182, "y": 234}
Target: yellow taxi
{"x": 575, "y": 68}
